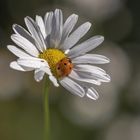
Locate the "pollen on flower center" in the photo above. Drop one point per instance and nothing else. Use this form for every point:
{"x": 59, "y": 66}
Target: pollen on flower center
{"x": 57, "y": 61}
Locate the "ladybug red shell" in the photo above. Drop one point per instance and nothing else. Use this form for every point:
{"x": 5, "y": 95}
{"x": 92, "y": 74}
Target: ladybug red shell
{"x": 64, "y": 67}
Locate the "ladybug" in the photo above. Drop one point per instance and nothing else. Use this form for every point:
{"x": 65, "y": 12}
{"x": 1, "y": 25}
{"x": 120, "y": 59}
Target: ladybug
{"x": 64, "y": 67}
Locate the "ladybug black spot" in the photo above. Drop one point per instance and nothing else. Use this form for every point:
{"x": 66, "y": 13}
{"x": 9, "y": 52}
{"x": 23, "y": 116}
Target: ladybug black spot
{"x": 69, "y": 60}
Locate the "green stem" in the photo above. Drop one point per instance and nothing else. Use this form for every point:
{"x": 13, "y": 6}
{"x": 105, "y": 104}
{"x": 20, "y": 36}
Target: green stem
{"x": 46, "y": 111}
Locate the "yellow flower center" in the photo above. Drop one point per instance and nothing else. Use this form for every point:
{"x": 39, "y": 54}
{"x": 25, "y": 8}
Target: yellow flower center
{"x": 52, "y": 56}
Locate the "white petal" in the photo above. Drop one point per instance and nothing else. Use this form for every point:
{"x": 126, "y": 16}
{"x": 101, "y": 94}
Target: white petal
{"x": 57, "y": 23}
{"x": 92, "y": 93}
{"x": 25, "y": 44}
{"x": 46, "y": 69}
{"x": 21, "y": 31}
{"x": 41, "y": 25}
{"x": 36, "y": 33}
{"x": 48, "y": 22}
{"x": 35, "y": 59}
{"x": 89, "y": 68}
{"x": 68, "y": 26}
{"x": 72, "y": 87}
{"x": 38, "y": 75}
{"x": 54, "y": 80}
{"x": 76, "y": 35}
{"x": 77, "y": 77}
{"x": 91, "y": 59}
{"x": 16, "y": 66}
{"x": 31, "y": 63}
{"x": 98, "y": 77}
{"x": 92, "y": 72}
{"x": 18, "y": 52}
{"x": 86, "y": 46}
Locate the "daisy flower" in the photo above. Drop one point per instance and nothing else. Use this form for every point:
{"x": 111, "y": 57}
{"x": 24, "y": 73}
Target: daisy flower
{"x": 51, "y": 47}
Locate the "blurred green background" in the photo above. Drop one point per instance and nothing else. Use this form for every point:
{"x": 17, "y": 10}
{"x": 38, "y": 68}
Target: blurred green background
{"x": 116, "y": 115}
